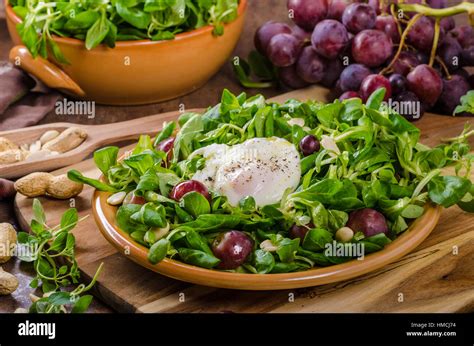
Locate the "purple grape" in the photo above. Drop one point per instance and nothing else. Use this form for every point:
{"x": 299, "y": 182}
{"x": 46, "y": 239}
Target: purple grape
{"x": 406, "y": 62}
{"x": 266, "y": 32}
{"x": 471, "y": 80}
{"x": 290, "y": 78}
{"x": 309, "y": 145}
{"x": 388, "y": 25}
{"x": 423, "y": 58}
{"x": 464, "y": 34}
{"x": 349, "y": 95}
{"x": 300, "y": 231}
{"x": 467, "y": 56}
{"x": 301, "y": 34}
{"x": 336, "y": 8}
{"x": 372, "y": 83}
{"x": 283, "y": 50}
{"x": 398, "y": 83}
{"x": 437, "y": 3}
{"x": 409, "y": 105}
{"x": 310, "y": 67}
{"x": 375, "y": 4}
{"x": 232, "y": 248}
{"x": 358, "y": 17}
{"x": 461, "y": 72}
{"x": 450, "y": 52}
{"x": 346, "y": 53}
{"x": 187, "y": 186}
{"x": 371, "y": 48}
{"x": 308, "y": 13}
{"x": 334, "y": 68}
{"x": 329, "y": 38}
{"x": 448, "y": 24}
{"x": 368, "y": 221}
{"x": 453, "y": 89}
{"x": 352, "y": 77}
{"x": 426, "y": 83}
{"x": 421, "y": 34}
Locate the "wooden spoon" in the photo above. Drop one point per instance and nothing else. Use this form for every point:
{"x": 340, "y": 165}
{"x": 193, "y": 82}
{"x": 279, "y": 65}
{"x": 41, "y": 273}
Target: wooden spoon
{"x": 97, "y": 136}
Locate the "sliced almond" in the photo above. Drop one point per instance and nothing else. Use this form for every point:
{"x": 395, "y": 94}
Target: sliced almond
{"x": 330, "y": 145}
{"x": 117, "y": 198}
{"x": 268, "y": 246}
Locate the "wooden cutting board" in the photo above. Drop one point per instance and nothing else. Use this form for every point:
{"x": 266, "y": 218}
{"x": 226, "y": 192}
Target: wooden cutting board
{"x": 437, "y": 277}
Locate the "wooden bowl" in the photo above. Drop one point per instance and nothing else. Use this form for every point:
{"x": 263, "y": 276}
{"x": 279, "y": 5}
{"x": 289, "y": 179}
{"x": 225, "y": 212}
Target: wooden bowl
{"x": 104, "y": 215}
{"x": 134, "y": 72}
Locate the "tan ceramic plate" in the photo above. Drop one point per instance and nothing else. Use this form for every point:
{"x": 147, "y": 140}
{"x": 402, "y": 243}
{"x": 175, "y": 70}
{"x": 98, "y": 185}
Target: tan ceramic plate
{"x": 104, "y": 215}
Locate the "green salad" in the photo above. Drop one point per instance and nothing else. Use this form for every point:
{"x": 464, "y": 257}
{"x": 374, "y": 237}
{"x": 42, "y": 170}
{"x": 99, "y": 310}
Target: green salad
{"x": 109, "y": 21}
{"x": 257, "y": 187}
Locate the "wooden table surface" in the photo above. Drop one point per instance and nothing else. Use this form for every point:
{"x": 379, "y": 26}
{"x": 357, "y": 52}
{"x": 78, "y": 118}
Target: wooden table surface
{"x": 259, "y": 12}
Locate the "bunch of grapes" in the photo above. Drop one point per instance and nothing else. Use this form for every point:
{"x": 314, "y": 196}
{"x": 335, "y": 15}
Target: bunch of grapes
{"x": 357, "y": 47}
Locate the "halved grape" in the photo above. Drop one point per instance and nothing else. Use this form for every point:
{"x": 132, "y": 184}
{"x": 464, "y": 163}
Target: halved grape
{"x": 307, "y": 13}
{"x": 426, "y": 83}
{"x": 358, "y": 17}
{"x": 283, "y": 50}
{"x": 266, "y": 32}
{"x": 329, "y": 38}
{"x": 371, "y": 48}
{"x": 372, "y": 83}
{"x": 310, "y": 67}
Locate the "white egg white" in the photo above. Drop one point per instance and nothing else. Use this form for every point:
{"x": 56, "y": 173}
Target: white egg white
{"x": 263, "y": 168}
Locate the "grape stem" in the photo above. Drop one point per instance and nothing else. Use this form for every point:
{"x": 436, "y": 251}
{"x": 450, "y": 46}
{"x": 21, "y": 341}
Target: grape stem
{"x": 438, "y": 12}
{"x": 402, "y": 42}
{"x": 435, "y": 41}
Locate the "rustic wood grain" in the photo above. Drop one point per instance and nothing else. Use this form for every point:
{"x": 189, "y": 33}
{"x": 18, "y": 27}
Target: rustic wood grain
{"x": 430, "y": 279}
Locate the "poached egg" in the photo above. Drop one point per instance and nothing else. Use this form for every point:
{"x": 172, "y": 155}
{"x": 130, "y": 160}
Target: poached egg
{"x": 263, "y": 168}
